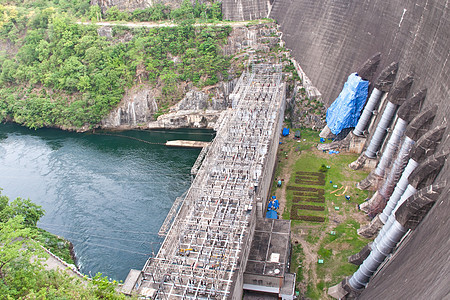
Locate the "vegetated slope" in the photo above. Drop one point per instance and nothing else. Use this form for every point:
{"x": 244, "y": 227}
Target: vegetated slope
{"x": 22, "y": 273}
{"x": 57, "y": 73}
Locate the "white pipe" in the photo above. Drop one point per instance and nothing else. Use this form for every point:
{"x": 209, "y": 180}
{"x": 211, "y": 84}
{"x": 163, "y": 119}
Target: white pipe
{"x": 400, "y": 188}
{"x": 380, "y": 132}
{"x": 397, "y": 168}
{"x": 391, "y": 147}
{"x": 391, "y": 220}
{"x": 379, "y": 252}
{"x": 367, "y": 112}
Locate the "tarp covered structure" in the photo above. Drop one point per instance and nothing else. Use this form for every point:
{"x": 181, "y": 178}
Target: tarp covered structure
{"x": 271, "y": 214}
{"x": 285, "y": 131}
{"x": 346, "y": 109}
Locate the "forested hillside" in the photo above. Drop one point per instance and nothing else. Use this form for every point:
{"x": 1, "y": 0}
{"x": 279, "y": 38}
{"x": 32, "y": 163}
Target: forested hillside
{"x": 57, "y": 73}
{"x": 22, "y": 273}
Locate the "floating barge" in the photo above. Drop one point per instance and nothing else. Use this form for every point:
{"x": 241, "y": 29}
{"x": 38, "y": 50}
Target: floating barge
{"x": 186, "y": 144}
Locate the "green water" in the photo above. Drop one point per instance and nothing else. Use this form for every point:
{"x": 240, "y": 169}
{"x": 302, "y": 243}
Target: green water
{"x": 107, "y": 194}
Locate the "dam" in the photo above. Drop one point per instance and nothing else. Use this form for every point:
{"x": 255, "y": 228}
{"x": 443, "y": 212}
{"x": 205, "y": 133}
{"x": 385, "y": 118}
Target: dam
{"x": 205, "y": 251}
{"x": 402, "y": 139}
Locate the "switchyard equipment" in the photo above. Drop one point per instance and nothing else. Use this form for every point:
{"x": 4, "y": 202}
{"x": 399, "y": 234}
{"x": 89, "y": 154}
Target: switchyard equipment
{"x": 205, "y": 251}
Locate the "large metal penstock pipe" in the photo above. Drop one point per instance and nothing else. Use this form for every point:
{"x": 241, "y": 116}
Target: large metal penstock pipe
{"x": 367, "y": 112}
{"x": 391, "y": 220}
{"x": 391, "y": 147}
{"x": 400, "y": 188}
{"x": 380, "y": 132}
{"x": 379, "y": 252}
{"x": 397, "y": 168}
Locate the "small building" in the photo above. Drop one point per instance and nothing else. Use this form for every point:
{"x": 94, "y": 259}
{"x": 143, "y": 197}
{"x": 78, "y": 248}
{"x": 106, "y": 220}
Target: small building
{"x": 268, "y": 261}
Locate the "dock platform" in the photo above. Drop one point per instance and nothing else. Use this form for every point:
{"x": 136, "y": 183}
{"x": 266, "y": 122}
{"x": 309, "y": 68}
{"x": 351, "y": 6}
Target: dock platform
{"x": 186, "y": 144}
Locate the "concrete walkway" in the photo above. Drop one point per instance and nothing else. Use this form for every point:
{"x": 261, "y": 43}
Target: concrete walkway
{"x": 55, "y": 263}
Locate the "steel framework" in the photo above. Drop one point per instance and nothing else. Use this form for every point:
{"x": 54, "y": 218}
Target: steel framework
{"x": 203, "y": 248}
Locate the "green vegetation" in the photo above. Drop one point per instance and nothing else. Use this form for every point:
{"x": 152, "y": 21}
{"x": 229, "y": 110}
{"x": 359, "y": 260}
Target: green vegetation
{"x": 200, "y": 12}
{"x": 291, "y": 69}
{"x": 335, "y": 250}
{"x": 296, "y": 261}
{"x": 312, "y": 292}
{"x": 312, "y": 236}
{"x": 59, "y": 73}
{"x": 339, "y": 174}
{"x": 22, "y": 274}
{"x": 57, "y": 245}
{"x": 335, "y": 239}
{"x": 77, "y": 8}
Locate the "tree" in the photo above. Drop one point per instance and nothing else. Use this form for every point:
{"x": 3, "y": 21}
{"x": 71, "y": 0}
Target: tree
{"x": 30, "y": 212}
{"x": 95, "y": 13}
{"x": 16, "y": 245}
{"x": 215, "y": 11}
{"x": 170, "y": 79}
{"x": 8, "y": 71}
{"x": 105, "y": 289}
{"x": 114, "y": 14}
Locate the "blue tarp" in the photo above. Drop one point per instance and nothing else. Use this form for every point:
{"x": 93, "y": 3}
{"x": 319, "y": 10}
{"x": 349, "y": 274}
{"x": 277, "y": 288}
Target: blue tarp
{"x": 271, "y": 214}
{"x": 346, "y": 109}
{"x": 285, "y": 131}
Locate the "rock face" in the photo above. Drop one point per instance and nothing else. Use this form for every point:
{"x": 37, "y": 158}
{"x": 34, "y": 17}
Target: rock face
{"x": 199, "y": 108}
{"x": 187, "y": 119}
{"x": 125, "y": 4}
{"x": 238, "y": 10}
{"x": 196, "y": 110}
{"x": 136, "y": 109}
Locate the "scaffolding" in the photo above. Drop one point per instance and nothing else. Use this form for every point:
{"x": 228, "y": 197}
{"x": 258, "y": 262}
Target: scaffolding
{"x": 203, "y": 249}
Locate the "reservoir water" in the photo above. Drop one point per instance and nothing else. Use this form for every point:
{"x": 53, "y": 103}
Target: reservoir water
{"x": 106, "y": 193}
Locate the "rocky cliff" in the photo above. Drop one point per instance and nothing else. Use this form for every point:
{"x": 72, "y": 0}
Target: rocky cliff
{"x": 127, "y": 4}
{"x": 135, "y": 110}
{"x": 199, "y": 108}
{"x": 238, "y": 10}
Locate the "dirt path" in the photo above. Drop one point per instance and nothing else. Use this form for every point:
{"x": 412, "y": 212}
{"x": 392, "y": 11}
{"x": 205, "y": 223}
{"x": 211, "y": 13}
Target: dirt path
{"x": 286, "y": 176}
{"x": 308, "y": 263}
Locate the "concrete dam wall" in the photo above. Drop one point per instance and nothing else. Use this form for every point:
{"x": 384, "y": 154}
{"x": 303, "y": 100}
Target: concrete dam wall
{"x": 331, "y": 39}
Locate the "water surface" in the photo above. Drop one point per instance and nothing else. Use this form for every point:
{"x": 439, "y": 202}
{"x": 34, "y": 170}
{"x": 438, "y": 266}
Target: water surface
{"x": 107, "y": 194}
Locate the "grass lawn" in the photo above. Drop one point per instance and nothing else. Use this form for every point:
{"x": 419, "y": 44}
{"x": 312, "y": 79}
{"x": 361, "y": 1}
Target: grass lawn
{"x": 342, "y": 216}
